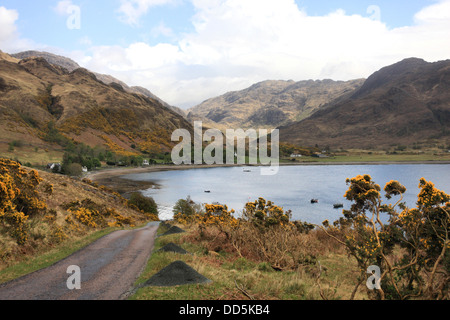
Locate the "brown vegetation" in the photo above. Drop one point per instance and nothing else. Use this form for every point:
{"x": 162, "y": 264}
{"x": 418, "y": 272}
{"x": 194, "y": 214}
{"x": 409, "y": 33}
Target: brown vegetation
{"x": 402, "y": 104}
{"x": 39, "y": 211}
{"x": 411, "y": 248}
{"x": 37, "y": 95}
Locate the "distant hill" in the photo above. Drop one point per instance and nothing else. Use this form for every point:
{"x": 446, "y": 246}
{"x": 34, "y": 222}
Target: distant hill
{"x": 36, "y": 93}
{"x": 270, "y": 104}
{"x": 51, "y": 58}
{"x": 401, "y": 104}
{"x": 71, "y": 65}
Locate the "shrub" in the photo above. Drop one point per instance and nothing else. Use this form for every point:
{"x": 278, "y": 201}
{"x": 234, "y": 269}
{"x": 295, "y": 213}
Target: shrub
{"x": 143, "y": 203}
{"x": 19, "y": 199}
{"x": 88, "y": 214}
{"x": 421, "y": 234}
{"x": 73, "y": 169}
{"x": 185, "y": 210}
{"x": 264, "y": 233}
{"x": 264, "y": 213}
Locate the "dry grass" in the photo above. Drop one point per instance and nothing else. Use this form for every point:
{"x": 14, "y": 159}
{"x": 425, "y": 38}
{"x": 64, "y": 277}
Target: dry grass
{"x": 243, "y": 278}
{"x": 28, "y": 153}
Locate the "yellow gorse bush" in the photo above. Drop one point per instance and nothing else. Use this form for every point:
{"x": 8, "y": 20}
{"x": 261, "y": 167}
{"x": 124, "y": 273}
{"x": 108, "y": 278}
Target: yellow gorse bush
{"x": 265, "y": 214}
{"x": 214, "y": 215}
{"x": 86, "y": 217}
{"x": 421, "y": 233}
{"x": 19, "y": 198}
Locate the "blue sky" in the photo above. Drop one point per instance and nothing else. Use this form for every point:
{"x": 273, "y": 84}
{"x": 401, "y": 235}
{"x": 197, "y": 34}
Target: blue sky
{"x": 186, "y": 51}
{"x": 102, "y": 23}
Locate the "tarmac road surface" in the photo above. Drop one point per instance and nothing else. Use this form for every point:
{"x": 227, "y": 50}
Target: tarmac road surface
{"x": 108, "y": 268}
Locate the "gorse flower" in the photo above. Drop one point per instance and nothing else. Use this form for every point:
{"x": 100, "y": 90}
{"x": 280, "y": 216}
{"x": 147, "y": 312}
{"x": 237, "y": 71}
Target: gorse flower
{"x": 19, "y": 198}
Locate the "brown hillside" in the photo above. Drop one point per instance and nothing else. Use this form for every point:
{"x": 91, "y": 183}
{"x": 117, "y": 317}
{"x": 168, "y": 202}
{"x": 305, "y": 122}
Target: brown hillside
{"x": 34, "y": 93}
{"x": 71, "y": 65}
{"x": 270, "y": 104}
{"x": 59, "y": 210}
{"x": 402, "y": 104}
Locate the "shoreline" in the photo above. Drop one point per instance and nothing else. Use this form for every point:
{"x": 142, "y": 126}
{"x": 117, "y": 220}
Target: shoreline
{"x": 114, "y": 177}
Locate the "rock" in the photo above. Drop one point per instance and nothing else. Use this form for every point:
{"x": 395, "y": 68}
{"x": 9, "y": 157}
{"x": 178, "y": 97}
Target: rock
{"x": 173, "y": 230}
{"x": 176, "y": 274}
{"x": 171, "y": 247}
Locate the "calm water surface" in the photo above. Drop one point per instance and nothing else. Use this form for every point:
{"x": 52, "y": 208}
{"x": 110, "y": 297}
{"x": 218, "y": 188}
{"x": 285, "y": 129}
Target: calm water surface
{"x": 292, "y": 188}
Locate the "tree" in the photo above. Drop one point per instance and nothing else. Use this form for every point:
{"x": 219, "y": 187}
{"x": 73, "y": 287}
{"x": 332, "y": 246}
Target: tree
{"x": 185, "y": 209}
{"x": 73, "y": 169}
{"x": 143, "y": 203}
{"x": 421, "y": 235}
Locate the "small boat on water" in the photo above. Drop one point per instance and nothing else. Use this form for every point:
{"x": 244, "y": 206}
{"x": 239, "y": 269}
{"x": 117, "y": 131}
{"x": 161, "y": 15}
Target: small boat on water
{"x": 314, "y": 200}
{"x": 338, "y": 205}
{"x": 207, "y": 191}
{"x": 247, "y": 170}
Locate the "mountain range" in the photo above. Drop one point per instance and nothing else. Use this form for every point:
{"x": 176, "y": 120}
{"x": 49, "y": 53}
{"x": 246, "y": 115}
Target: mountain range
{"x": 37, "y": 97}
{"x": 405, "y": 103}
{"x": 271, "y": 103}
{"x": 71, "y": 65}
{"x": 402, "y": 104}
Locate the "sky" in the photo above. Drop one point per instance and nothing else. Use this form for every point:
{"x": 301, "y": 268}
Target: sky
{"x": 187, "y": 51}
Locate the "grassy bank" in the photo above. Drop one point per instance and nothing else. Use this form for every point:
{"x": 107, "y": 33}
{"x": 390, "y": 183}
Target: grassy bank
{"x": 237, "y": 278}
{"x": 366, "y": 157}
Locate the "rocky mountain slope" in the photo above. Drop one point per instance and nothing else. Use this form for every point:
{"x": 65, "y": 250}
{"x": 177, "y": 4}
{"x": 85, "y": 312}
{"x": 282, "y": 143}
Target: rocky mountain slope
{"x": 71, "y": 65}
{"x": 36, "y": 96}
{"x": 401, "y": 104}
{"x": 270, "y": 104}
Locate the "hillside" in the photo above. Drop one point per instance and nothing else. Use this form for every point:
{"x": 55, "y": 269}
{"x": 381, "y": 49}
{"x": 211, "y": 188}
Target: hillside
{"x": 402, "y": 104}
{"x": 55, "y": 210}
{"x": 71, "y": 65}
{"x": 271, "y": 103}
{"x": 36, "y": 94}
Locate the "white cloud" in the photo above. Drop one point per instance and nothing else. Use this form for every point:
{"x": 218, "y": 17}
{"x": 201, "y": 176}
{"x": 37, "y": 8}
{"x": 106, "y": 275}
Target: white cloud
{"x": 237, "y": 43}
{"x": 132, "y": 10}
{"x": 8, "y": 29}
{"x": 10, "y": 40}
{"x": 436, "y": 13}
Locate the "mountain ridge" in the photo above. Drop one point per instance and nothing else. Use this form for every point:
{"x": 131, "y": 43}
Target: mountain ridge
{"x": 71, "y": 66}
{"x": 271, "y": 103}
{"x": 37, "y": 96}
{"x": 403, "y": 103}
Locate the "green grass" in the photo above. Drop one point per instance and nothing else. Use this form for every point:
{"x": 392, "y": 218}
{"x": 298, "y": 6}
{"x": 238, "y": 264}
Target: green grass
{"x": 356, "y": 158}
{"x": 37, "y": 157}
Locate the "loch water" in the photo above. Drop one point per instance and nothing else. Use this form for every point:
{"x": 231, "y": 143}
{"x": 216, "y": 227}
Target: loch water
{"x": 292, "y": 187}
